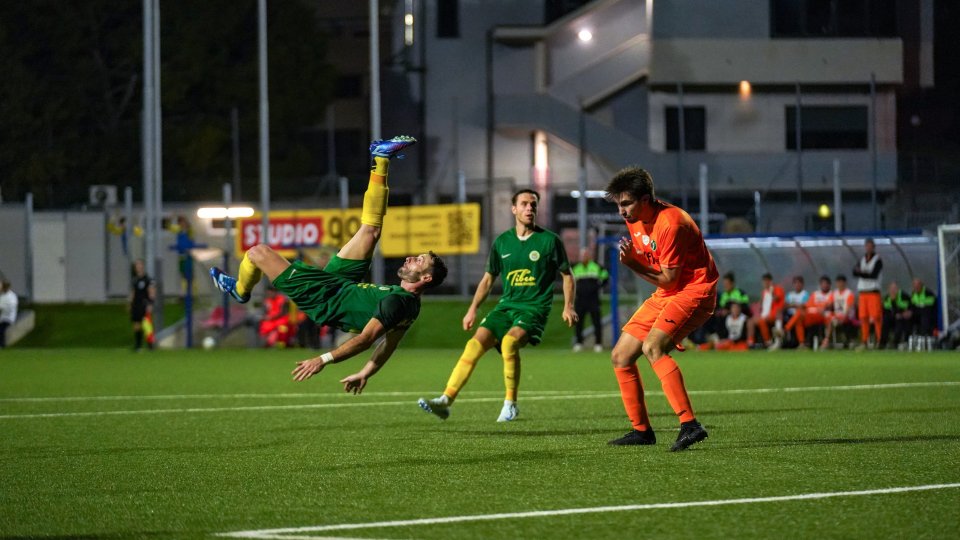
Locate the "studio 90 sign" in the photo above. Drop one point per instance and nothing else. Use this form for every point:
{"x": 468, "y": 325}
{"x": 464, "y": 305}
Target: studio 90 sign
{"x": 446, "y": 229}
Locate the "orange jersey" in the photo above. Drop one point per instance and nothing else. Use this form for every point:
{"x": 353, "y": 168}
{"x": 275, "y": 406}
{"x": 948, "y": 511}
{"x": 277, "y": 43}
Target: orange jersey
{"x": 673, "y": 240}
{"x": 772, "y": 301}
{"x": 819, "y": 301}
{"x": 843, "y": 301}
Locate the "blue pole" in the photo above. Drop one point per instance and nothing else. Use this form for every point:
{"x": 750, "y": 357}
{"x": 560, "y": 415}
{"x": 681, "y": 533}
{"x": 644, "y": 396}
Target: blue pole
{"x": 614, "y": 266}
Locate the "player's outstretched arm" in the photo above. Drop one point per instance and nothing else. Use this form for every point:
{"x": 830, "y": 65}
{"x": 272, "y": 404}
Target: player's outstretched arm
{"x": 483, "y": 290}
{"x": 356, "y": 345}
{"x": 569, "y": 293}
{"x": 355, "y": 383}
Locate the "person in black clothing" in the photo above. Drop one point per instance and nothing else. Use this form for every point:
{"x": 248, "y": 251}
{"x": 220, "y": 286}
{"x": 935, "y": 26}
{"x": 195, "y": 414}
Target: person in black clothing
{"x": 141, "y": 301}
{"x": 590, "y": 278}
{"x": 896, "y": 316}
{"x": 924, "y": 307}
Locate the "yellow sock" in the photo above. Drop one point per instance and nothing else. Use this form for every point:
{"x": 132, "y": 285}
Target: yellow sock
{"x": 468, "y": 360}
{"x": 248, "y": 276}
{"x": 377, "y": 194}
{"x": 510, "y": 348}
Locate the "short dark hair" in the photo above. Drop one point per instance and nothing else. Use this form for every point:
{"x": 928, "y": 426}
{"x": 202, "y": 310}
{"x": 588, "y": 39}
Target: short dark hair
{"x": 840, "y": 277}
{"x": 632, "y": 180}
{"x": 768, "y": 275}
{"x": 513, "y": 200}
{"x": 798, "y": 278}
{"x": 825, "y": 278}
{"x": 729, "y": 275}
{"x": 438, "y": 272}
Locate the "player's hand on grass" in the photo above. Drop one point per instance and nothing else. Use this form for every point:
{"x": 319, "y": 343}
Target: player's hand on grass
{"x": 570, "y": 316}
{"x": 354, "y": 383}
{"x": 307, "y": 368}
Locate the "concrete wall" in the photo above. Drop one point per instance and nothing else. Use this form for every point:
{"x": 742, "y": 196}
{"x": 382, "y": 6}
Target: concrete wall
{"x": 759, "y": 124}
{"x": 13, "y": 264}
{"x": 776, "y": 61}
{"x": 712, "y": 18}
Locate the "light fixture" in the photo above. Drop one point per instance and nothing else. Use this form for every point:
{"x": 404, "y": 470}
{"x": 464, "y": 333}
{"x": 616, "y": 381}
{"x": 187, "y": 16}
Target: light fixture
{"x": 585, "y": 35}
{"x": 746, "y": 89}
{"x": 590, "y": 194}
{"x": 823, "y": 211}
{"x": 220, "y": 212}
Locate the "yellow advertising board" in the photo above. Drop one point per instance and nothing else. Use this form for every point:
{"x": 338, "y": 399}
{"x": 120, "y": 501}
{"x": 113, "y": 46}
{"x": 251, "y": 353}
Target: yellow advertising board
{"x": 446, "y": 229}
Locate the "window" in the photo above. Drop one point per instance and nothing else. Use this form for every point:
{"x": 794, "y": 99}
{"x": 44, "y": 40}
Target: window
{"x": 828, "y": 128}
{"x": 833, "y": 18}
{"x": 694, "y": 128}
{"x": 448, "y": 19}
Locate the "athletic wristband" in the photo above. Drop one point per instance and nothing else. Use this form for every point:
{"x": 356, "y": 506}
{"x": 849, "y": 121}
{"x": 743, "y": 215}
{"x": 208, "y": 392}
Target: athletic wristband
{"x": 326, "y": 358}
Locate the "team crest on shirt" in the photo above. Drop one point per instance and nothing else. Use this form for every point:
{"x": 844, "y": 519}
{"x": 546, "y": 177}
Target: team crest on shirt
{"x": 653, "y": 245}
{"x": 646, "y": 239}
{"x": 534, "y": 255}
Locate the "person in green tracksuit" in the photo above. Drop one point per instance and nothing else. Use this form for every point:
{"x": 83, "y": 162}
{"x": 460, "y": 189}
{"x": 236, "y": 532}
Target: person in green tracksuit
{"x": 590, "y": 278}
{"x": 529, "y": 258}
{"x": 896, "y": 316}
{"x": 924, "y": 306}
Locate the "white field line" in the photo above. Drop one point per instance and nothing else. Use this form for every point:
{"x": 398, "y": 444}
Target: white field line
{"x": 297, "y": 532}
{"x": 255, "y": 396}
{"x": 553, "y": 397}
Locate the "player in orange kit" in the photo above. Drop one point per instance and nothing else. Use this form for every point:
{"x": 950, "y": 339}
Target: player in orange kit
{"x": 666, "y": 249}
{"x": 813, "y": 313}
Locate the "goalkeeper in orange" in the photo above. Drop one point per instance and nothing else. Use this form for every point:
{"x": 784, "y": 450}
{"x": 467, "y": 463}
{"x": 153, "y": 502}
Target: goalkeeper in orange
{"x": 666, "y": 249}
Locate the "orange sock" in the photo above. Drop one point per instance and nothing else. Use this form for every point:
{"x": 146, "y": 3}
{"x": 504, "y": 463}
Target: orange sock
{"x": 764, "y": 330}
{"x": 864, "y": 332}
{"x": 672, "y": 382}
{"x": 631, "y": 392}
{"x": 801, "y": 331}
{"x": 878, "y": 330}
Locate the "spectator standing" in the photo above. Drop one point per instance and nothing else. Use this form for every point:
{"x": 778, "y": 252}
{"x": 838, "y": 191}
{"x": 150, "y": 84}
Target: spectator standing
{"x": 923, "y": 303}
{"x": 142, "y": 293}
{"x": 590, "y": 278}
{"x": 869, "y": 302}
{"x": 896, "y": 316}
{"x": 8, "y": 310}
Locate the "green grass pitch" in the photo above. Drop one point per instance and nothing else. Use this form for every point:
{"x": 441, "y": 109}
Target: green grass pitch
{"x": 188, "y": 444}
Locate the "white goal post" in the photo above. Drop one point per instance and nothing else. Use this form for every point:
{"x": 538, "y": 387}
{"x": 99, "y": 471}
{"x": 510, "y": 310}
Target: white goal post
{"x": 948, "y": 237}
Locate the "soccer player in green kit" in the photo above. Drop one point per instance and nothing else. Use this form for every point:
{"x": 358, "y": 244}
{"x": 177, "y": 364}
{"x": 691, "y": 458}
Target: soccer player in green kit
{"x": 337, "y": 295}
{"x": 529, "y": 259}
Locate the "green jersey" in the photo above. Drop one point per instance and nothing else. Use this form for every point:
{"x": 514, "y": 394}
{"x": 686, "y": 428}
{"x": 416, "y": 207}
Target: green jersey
{"x": 529, "y": 267}
{"x": 335, "y": 296}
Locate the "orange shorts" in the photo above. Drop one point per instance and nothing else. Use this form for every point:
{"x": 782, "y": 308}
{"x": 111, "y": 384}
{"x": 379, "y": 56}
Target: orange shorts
{"x": 676, "y": 315}
{"x": 870, "y": 306}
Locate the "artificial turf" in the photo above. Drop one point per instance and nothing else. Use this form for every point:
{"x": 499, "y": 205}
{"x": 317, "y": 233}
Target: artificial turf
{"x": 104, "y": 443}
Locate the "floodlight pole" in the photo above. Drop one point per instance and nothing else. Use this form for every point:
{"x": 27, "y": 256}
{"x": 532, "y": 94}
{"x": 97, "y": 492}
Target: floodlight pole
{"x": 837, "y": 199}
{"x": 147, "y": 134}
{"x": 582, "y": 179}
{"x": 158, "y": 322}
{"x": 227, "y": 246}
{"x": 378, "y": 270}
{"x": 264, "y": 123}
{"x": 873, "y": 147}
{"x": 704, "y": 202}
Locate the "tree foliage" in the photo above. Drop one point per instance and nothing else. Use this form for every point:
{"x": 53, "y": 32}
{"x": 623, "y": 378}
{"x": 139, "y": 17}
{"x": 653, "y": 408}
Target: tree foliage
{"x": 71, "y": 95}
